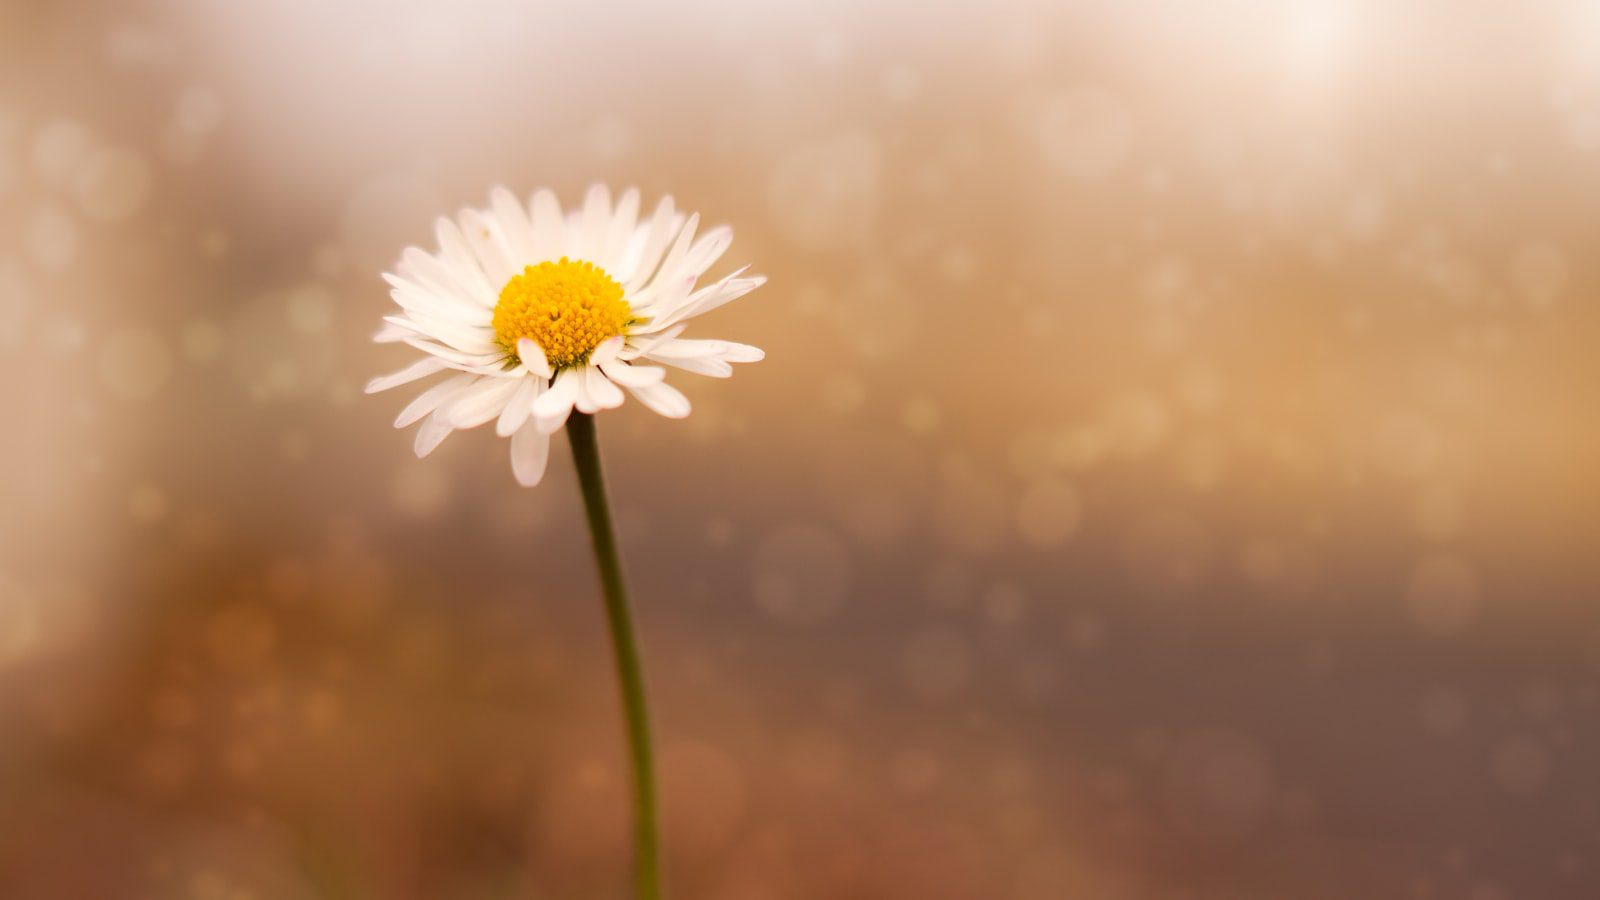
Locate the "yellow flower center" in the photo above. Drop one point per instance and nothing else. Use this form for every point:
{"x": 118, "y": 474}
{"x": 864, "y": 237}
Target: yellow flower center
{"x": 567, "y": 307}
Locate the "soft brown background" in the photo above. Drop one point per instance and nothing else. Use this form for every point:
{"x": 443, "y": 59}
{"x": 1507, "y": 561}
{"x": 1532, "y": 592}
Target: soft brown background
{"x": 1173, "y": 475}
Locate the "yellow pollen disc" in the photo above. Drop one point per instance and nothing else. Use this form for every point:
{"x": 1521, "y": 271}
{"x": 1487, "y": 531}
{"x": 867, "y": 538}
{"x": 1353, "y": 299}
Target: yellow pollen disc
{"x": 568, "y": 307}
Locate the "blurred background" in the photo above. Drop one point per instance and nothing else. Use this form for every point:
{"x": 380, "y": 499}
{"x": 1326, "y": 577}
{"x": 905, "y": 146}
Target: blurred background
{"x": 1173, "y": 473}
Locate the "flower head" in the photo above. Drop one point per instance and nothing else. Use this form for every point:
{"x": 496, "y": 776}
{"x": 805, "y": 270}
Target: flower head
{"x": 536, "y": 312}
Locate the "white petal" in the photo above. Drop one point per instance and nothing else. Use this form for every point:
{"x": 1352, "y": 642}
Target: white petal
{"x": 514, "y": 224}
{"x": 422, "y": 368}
{"x": 549, "y": 229}
{"x": 391, "y": 334}
{"x": 430, "y": 272}
{"x": 633, "y": 376}
{"x": 430, "y": 399}
{"x": 707, "y": 250}
{"x": 640, "y": 344}
{"x": 450, "y": 354}
{"x": 742, "y": 353}
{"x": 530, "y": 451}
{"x": 664, "y": 399}
{"x": 646, "y": 295}
{"x": 466, "y": 338}
{"x": 417, "y": 294}
{"x": 550, "y": 411}
{"x": 709, "y": 366}
{"x": 455, "y": 252}
{"x": 596, "y": 218}
{"x": 489, "y": 246}
{"x": 430, "y": 436}
{"x": 681, "y": 348}
{"x": 479, "y": 403}
{"x": 619, "y": 230}
{"x": 677, "y": 278}
{"x": 724, "y": 351}
{"x": 665, "y": 297}
{"x": 532, "y": 356}
{"x": 667, "y": 313}
{"x": 601, "y": 391}
{"x": 583, "y": 401}
{"x": 519, "y": 407}
{"x": 663, "y": 225}
{"x": 607, "y": 351}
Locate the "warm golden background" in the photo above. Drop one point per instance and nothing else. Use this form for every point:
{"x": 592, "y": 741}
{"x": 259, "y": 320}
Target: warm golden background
{"x": 1173, "y": 474}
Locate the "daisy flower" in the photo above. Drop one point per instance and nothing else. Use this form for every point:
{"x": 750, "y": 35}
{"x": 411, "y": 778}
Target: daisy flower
{"x": 531, "y": 313}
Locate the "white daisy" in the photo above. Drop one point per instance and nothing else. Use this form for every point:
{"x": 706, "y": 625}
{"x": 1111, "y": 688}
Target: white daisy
{"x": 535, "y": 312}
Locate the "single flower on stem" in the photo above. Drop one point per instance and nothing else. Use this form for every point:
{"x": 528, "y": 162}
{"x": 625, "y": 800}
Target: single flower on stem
{"x": 535, "y": 313}
{"x": 538, "y": 318}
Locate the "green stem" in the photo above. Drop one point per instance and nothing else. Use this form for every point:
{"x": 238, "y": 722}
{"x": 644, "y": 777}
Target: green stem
{"x": 586, "y": 456}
